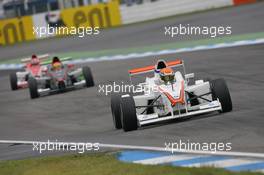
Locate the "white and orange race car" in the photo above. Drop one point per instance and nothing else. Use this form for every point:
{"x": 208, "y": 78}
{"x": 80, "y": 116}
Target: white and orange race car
{"x": 33, "y": 67}
{"x": 168, "y": 95}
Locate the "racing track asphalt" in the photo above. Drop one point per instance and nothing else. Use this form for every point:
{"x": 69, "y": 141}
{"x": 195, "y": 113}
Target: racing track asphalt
{"x": 85, "y": 115}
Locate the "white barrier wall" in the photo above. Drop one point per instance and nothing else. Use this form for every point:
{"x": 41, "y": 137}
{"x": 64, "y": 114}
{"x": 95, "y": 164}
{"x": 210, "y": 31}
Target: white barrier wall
{"x": 164, "y": 8}
{"x": 1, "y": 10}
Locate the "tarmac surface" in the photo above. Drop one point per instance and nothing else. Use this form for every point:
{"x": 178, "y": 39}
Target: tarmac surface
{"x": 85, "y": 115}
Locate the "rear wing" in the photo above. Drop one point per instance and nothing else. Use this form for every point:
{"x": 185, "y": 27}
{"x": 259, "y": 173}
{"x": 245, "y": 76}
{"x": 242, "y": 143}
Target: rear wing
{"x": 41, "y": 57}
{"x": 61, "y": 59}
{"x": 147, "y": 69}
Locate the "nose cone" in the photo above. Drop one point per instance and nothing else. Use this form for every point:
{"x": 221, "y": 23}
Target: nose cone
{"x": 61, "y": 85}
{"x": 174, "y": 92}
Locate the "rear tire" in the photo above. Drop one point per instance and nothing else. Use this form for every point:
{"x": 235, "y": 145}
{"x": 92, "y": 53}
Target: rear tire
{"x": 128, "y": 114}
{"x": 87, "y": 73}
{"x": 116, "y": 110}
{"x": 220, "y": 91}
{"x": 33, "y": 88}
{"x": 13, "y": 81}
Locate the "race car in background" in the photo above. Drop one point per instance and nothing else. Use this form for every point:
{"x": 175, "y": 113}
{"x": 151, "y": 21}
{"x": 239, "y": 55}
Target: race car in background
{"x": 60, "y": 77}
{"x": 32, "y": 68}
{"x": 168, "y": 95}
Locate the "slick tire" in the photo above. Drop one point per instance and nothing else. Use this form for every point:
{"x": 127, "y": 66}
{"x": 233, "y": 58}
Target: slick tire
{"x": 220, "y": 91}
{"x": 128, "y": 114}
{"x": 116, "y": 110}
{"x": 13, "y": 81}
{"x": 87, "y": 73}
{"x": 33, "y": 88}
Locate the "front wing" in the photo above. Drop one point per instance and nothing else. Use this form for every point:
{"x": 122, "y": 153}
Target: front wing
{"x": 144, "y": 119}
{"x": 48, "y": 91}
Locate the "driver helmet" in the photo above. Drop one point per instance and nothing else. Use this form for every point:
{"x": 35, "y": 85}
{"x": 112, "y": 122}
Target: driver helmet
{"x": 56, "y": 63}
{"x": 56, "y": 66}
{"x": 34, "y": 60}
{"x": 167, "y": 75}
{"x": 55, "y": 59}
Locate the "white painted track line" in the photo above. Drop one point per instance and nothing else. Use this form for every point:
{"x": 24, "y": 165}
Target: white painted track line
{"x": 149, "y": 148}
{"x": 166, "y": 159}
{"x": 224, "y": 163}
{"x": 261, "y": 171}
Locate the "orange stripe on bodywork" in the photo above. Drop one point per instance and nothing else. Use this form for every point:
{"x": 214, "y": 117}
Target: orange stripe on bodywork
{"x": 173, "y": 100}
{"x": 149, "y": 68}
{"x": 174, "y": 63}
{"x": 143, "y": 69}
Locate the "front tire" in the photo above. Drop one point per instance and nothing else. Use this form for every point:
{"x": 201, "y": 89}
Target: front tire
{"x": 33, "y": 88}
{"x": 87, "y": 73}
{"x": 13, "y": 81}
{"x": 220, "y": 91}
{"x": 128, "y": 114}
{"x": 116, "y": 110}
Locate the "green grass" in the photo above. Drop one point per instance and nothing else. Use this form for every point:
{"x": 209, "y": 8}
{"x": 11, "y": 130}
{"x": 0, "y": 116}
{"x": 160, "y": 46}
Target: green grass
{"x": 157, "y": 47}
{"x": 97, "y": 164}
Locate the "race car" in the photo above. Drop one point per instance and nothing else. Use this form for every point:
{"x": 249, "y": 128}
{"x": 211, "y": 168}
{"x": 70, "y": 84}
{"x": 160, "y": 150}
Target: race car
{"x": 32, "y": 68}
{"x": 60, "y": 77}
{"x": 168, "y": 95}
